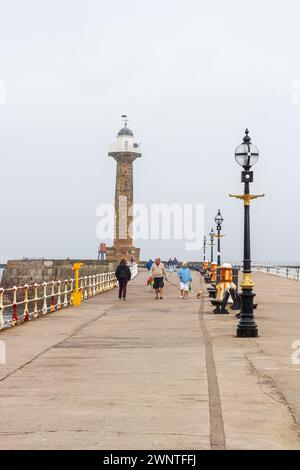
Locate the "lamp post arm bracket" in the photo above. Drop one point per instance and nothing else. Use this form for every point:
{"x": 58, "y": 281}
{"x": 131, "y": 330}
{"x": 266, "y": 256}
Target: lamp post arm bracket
{"x": 246, "y": 197}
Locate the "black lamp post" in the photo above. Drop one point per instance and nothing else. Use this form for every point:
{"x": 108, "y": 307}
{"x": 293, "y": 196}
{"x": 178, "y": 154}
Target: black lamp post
{"x": 211, "y": 234}
{"x": 219, "y": 219}
{"x": 204, "y": 247}
{"x": 246, "y": 155}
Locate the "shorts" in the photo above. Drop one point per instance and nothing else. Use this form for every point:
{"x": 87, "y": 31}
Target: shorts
{"x": 158, "y": 283}
{"x": 184, "y": 286}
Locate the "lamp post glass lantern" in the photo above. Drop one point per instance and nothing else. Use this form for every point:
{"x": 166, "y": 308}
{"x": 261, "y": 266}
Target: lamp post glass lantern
{"x": 219, "y": 219}
{"x": 246, "y": 156}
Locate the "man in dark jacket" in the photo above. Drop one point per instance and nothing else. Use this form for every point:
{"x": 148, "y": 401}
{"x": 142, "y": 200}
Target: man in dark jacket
{"x": 123, "y": 275}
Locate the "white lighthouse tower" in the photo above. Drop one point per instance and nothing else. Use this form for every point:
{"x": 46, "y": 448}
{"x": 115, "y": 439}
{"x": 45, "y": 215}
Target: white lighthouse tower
{"x": 124, "y": 150}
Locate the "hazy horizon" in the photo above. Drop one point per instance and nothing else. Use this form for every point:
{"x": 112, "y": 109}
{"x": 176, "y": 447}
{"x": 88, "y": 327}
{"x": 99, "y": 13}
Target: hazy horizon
{"x": 191, "y": 76}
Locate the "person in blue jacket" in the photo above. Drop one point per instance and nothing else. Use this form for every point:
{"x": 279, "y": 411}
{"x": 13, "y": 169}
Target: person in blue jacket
{"x": 149, "y": 264}
{"x": 185, "y": 278}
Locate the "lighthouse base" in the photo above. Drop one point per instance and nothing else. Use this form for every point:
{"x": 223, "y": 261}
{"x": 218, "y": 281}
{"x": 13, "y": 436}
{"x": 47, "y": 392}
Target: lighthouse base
{"x": 116, "y": 253}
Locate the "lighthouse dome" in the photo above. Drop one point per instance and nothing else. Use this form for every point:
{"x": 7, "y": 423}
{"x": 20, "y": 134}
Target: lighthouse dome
{"x": 125, "y": 131}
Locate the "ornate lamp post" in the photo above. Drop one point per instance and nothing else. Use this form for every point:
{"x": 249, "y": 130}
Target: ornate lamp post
{"x": 219, "y": 219}
{"x": 246, "y": 155}
{"x": 211, "y": 234}
{"x": 204, "y": 247}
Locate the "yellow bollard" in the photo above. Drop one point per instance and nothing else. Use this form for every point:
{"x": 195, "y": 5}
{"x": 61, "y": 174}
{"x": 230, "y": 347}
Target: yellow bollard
{"x": 213, "y": 271}
{"x": 76, "y": 293}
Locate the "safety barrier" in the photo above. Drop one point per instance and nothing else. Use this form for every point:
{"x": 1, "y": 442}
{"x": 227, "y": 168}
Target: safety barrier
{"x": 20, "y": 304}
{"x": 281, "y": 271}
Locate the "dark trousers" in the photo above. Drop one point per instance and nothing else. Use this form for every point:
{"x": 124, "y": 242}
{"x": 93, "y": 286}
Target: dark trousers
{"x": 122, "y": 288}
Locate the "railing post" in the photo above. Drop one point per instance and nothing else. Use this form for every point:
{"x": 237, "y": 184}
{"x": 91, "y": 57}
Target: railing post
{"x": 26, "y": 314}
{"x": 94, "y": 284}
{"x": 112, "y": 282}
{"x": 52, "y": 305}
{"x": 81, "y": 287}
{"x": 36, "y": 299}
{"x": 15, "y": 312}
{"x": 45, "y": 306}
{"x": 90, "y": 293}
{"x": 66, "y": 303}
{"x": 85, "y": 295}
{"x": 58, "y": 304}
{"x": 71, "y": 291}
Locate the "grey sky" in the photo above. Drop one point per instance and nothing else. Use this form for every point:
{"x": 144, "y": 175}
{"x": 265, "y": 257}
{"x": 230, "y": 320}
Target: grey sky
{"x": 191, "y": 75}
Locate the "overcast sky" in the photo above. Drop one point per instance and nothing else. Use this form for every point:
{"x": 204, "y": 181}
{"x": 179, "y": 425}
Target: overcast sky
{"x": 191, "y": 75}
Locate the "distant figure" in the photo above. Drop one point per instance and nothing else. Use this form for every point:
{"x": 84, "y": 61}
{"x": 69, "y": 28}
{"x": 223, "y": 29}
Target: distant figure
{"x": 185, "y": 278}
{"x": 158, "y": 272}
{"x": 149, "y": 264}
{"x": 170, "y": 265}
{"x": 123, "y": 275}
{"x": 175, "y": 262}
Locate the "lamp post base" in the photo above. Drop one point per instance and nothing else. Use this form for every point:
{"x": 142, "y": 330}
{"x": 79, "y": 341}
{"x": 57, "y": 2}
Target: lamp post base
{"x": 247, "y": 332}
{"x": 247, "y": 328}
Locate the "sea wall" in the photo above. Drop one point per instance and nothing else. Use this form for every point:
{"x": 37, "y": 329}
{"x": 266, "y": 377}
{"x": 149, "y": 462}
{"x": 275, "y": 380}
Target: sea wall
{"x": 25, "y": 271}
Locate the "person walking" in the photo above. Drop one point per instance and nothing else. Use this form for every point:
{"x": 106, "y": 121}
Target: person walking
{"x": 123, "y": 275}
{"x": 149, "y": 264}
{"x": 185, "y": 278}
{"x": 158, "y": 272}
{"x": 170, "y": 266}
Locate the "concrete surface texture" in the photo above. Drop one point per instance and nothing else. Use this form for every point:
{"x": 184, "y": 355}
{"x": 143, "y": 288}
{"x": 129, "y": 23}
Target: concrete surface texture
{"x": 154, "y": 374}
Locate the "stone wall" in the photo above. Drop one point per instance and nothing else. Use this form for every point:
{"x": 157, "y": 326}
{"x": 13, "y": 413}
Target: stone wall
{"x": 20, "y": 272}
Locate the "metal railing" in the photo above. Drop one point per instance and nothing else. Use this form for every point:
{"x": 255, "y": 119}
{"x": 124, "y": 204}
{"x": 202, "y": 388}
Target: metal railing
{"x": 280, "y": 271}
{"x": 23, "y": 303}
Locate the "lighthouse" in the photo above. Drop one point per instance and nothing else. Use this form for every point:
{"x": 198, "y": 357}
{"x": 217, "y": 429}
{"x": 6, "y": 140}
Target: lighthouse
{"x": 124, "y": 151}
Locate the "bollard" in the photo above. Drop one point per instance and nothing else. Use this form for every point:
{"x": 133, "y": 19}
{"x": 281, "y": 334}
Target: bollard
{"x": 213, "y": 271}
{"x": 76, "y": 292}
{"x": 205, "y": 265}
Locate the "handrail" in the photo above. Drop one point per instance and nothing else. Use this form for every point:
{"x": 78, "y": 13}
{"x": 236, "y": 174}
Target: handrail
{"x": 281, "y": 271}
{"x": 22, "y": 303}
{"x": 19, "y": 304}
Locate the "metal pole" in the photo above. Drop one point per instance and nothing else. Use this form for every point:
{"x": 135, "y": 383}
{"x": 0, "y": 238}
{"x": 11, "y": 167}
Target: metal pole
{"x": 219, "y": 245}
{"x": 247, "y": 326}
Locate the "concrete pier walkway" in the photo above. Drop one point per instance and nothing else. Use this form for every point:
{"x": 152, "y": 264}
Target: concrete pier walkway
{"x": 154, "y": 374}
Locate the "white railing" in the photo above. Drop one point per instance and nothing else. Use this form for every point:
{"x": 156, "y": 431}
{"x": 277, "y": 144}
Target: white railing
{"x": 134, "y": 270}
{"x": 20, "y": 304}
{"x": 281, "y": 271}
